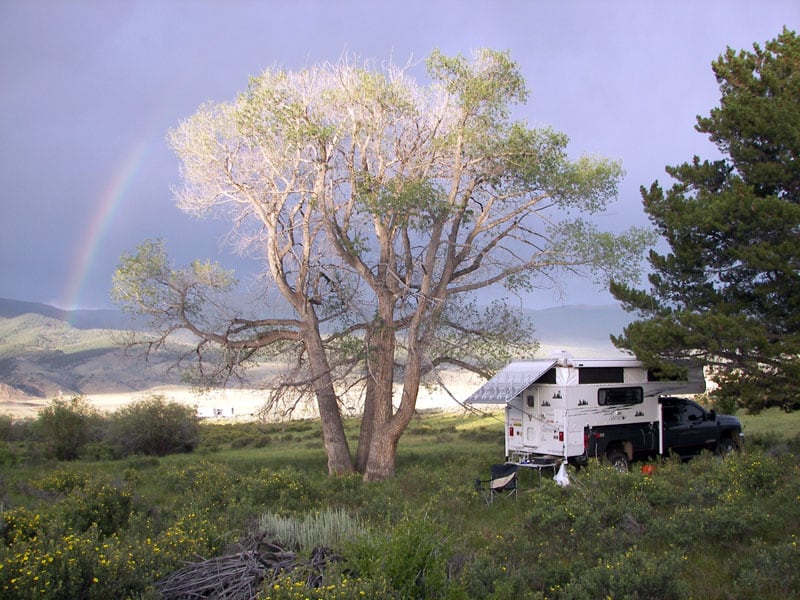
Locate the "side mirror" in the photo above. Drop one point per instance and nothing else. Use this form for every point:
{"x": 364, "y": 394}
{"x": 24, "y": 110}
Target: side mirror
{"x": 712, "y": 415}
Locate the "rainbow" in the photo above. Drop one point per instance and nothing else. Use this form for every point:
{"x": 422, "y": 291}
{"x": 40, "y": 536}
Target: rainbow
{"x": 110, "y": 198}
{"x": 117, "y": 188}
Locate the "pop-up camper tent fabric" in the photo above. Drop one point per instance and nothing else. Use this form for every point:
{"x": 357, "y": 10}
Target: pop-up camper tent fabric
{"x": 511, "y": 381}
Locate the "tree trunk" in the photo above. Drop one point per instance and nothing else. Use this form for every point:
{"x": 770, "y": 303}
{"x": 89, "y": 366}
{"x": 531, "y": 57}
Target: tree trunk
{"x": 339, "y": 460}
{"x": 367, "y": 428}
{"x": 386, "y": 435}
{"x": 333, "y": 436}
{"x": 378, "y": 393}
{"x": 381, "y": 344}
{"x": 383, "y": 449}
{"x": 382, "y": 455}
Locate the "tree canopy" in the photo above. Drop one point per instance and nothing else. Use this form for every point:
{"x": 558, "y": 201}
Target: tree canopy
{"x": 728, "y": 291}
{"x": 378, "y": 207}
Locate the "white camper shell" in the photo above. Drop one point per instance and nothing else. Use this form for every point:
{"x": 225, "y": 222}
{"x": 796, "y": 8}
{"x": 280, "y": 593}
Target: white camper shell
{"x": 550, "y": 402}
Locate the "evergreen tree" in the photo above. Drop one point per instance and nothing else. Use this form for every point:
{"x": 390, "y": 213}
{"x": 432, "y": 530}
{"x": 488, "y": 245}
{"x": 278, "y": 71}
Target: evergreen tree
{"x": 728, "y": 291}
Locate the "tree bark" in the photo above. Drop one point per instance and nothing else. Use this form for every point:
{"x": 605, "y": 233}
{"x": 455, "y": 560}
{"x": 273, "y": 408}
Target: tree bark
{"x": 382, "y": 455}
{"x": 367, "y": 427}
{"x": 386, "y": 435}
{"x": 333, "y": 436}
{"x": 374, "y": 348}
{"x": 380, "y": 389}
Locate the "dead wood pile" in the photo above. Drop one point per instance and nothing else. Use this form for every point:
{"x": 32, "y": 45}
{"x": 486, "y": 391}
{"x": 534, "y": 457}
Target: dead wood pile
{"x": 241, "y": 575}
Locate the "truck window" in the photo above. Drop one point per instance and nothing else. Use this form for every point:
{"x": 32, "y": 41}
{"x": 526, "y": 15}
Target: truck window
{"x": 682, "y": 414}
{"x": 628, "y": 395}
{"x": 694, "y": 413}
{"x": 671, "y": 414}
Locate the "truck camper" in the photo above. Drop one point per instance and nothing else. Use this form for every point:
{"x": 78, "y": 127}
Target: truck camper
{"x": 566, "y": 409}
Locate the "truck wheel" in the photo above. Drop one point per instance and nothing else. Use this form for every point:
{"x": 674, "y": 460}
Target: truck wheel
{"x": 619, "y": 460}
{"x": 726, "y": 446}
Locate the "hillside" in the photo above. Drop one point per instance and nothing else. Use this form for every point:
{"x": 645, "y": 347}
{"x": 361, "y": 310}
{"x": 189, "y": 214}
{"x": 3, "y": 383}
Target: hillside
{"x": 42, "y": 355}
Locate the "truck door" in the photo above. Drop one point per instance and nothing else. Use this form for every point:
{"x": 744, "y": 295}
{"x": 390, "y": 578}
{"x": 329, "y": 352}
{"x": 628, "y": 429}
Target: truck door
{"x": 687, "y": 431}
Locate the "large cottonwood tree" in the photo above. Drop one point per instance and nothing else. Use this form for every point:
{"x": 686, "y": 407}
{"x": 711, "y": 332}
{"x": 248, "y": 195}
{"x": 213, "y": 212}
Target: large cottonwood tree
{"x": 727, "y": 293}
{"x": 379, "y": 207}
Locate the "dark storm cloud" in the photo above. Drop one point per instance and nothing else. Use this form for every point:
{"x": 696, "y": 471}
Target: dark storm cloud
{"x": 89, "y": 90}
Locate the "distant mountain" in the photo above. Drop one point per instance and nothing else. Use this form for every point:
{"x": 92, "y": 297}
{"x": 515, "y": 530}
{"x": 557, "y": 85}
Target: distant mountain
{"x": 46, "y": 351}
{"x": 79, "y": 319}
{"x": 573, "y": 324}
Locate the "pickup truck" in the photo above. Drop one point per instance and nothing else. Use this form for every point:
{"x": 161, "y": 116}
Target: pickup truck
{"x": 685, "y": 429}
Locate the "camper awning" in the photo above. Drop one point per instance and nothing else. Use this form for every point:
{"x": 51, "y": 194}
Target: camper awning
{"x": 511, "y": 381}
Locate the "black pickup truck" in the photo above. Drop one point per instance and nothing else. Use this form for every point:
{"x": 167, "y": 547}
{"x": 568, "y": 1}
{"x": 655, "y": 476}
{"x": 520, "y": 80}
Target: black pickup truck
{"x": 685, "y": 429}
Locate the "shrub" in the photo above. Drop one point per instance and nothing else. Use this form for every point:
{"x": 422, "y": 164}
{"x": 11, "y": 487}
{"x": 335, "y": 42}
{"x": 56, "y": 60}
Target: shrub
{"x": 329, "y": 528}
{"x": 6, "y": 427}
{"x": 16, "y": 430}
{"x": 100, "y": 503}
{"x": 80, "y": 500}
{"x": 770, "y": 572}
{"x": 635, "y": 574}
{"x": 286, "y": 488}
{"x": 65, "y": 427}
{"x": 153, "y": 426}
{"x": 411, "y": 559}
{"x": 7, "y": 455}
{"x": 77, "y": 565}
{"x": 60, "y": 481}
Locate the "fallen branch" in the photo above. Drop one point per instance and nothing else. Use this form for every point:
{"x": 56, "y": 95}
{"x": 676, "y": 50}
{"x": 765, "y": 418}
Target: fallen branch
{"x": 240, "y": 576}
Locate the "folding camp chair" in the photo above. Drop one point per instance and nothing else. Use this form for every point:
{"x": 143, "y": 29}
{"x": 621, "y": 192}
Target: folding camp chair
{"x": 503, "y": 483}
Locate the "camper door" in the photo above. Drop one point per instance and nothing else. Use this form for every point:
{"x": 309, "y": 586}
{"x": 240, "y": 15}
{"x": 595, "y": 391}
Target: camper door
{"x": 532, "y": 409}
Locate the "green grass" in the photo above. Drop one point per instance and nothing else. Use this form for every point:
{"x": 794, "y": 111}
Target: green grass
{"x": 705, "y": 529}
{"x": 772, "y": 422}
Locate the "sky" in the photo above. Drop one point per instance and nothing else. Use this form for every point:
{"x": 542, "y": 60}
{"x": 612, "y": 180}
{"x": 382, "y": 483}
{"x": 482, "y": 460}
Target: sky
{"x": 89, "y": 89}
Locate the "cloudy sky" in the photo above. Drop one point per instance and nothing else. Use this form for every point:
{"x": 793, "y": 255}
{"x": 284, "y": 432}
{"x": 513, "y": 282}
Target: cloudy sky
{"x": 88, "y": 90}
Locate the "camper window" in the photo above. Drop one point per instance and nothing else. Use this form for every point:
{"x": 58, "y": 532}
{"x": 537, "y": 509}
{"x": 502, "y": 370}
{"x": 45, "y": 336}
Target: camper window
{"x": 549, "y": 377}
{"x": 611, "y": 396}
{"x": 601, "y": 375}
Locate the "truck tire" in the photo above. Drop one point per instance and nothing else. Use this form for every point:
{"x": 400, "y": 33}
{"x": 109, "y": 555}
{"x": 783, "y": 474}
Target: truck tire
{"x": 727, "y": 446}
{"x": 619, "y": 460}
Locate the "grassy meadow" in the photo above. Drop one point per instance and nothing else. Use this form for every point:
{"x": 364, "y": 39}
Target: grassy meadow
{"x": 708, "y": 528}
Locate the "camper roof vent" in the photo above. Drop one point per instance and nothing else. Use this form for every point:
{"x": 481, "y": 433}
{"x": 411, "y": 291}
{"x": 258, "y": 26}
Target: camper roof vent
{"x": 564, "y": 358}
